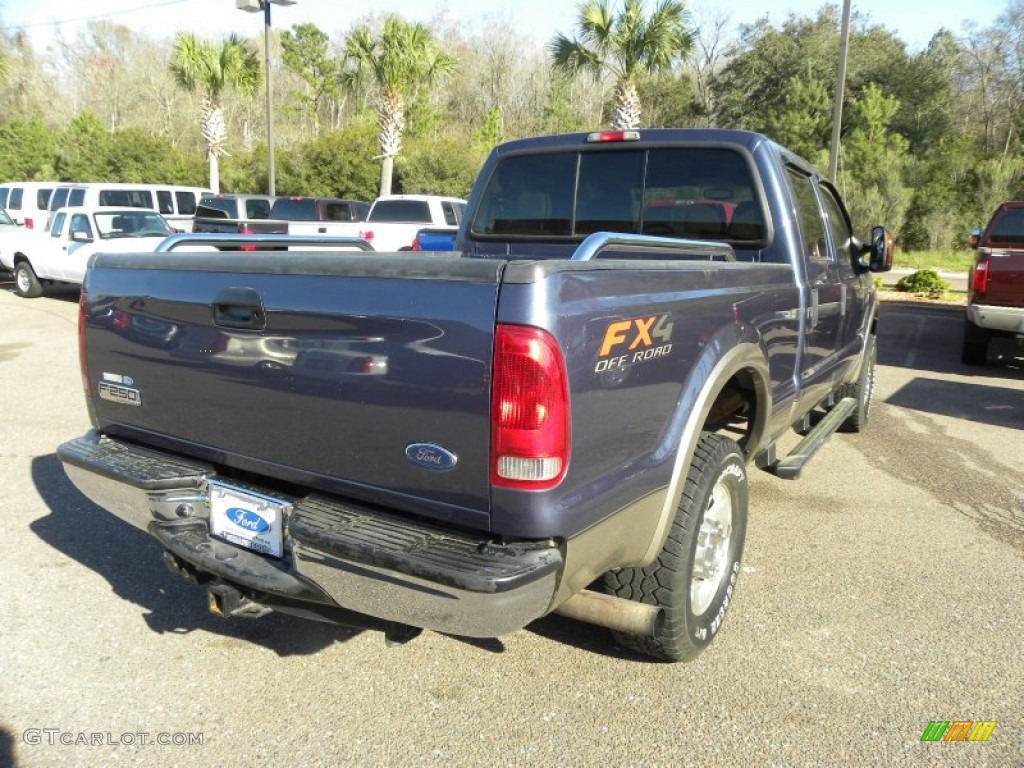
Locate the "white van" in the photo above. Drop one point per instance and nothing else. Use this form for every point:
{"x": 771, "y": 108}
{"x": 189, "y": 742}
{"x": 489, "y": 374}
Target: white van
{"x": 176, "y": 203}
{"x": 27, "y": 202}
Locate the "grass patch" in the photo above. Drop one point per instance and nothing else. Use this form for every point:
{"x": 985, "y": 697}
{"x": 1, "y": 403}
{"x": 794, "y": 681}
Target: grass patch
{"x": 940, "y": 261}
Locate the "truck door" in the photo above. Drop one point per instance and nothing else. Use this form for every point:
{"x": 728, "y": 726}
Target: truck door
{"x": 854, "y": 286}
{"x": 76, "y": 252}
{"x": 825, "y": 296}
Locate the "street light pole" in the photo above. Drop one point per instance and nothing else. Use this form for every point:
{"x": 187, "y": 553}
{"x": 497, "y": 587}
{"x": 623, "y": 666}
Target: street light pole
{"x": 837, "y": 105}
{"x": 254, "y": 6}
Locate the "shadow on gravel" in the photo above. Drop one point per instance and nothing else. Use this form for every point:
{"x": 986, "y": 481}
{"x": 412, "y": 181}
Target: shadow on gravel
{"x": 928, "y": 337}
{"x": 131, "y": 562}
{"x": 6, "y": 748}
{"x": 997, "y": 406}
{"x": 586, "y": 637}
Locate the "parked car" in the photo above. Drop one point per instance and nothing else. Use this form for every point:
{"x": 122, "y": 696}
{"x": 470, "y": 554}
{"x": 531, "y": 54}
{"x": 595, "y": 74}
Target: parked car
{"x": 317, "y": 209}
{"x": 177, "y": 204}
{"x": 466, "y": 443}
{"x": 394, "y": 220}
{"x": 241, "y": 214}
{"x": 62, "y": 253}
{"x": 26, "y": 201}
{"x": 7, "y": 229}
{"x": 995, "y": 286}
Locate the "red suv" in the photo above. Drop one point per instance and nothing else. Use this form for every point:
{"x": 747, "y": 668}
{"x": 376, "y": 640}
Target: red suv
{"x": 995, "y": 300}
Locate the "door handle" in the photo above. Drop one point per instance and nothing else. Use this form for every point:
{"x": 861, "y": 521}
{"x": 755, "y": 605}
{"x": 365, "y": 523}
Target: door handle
{"x": 239, "y": 307}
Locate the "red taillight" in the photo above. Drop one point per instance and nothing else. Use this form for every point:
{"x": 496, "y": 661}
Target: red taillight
{"x": 367, "y": 236}
{"x": 980, "y": 281}
{"x": 83, "y": 362}
{"x": 529, "y": 410}
{"x": 244, "y": 229}
{"x": 29, "y": 224}
{"x": 416, "y": 243}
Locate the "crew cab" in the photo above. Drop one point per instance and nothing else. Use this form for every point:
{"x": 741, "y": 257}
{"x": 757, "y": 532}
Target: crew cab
{"x": 995, "y": 286}
{"x": 238, "y": 214}
{"x": 559, "y": 417}
{"x": 61, "y": 254}
{"x": 393, "y": 221}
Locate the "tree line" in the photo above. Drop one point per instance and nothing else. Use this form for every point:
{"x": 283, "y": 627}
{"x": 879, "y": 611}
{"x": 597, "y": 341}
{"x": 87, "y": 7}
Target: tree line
{"x": 930, "y": 139}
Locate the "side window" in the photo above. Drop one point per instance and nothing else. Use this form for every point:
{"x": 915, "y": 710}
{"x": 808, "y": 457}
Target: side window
{"x": 58, "y": 224}
{"x": 812, "y": 225}
{"x": 80, "y": 223}
{"x": 76, "y": 198}
{"x": 450, "y": 216}
{"x": 59, "y": 198}
{"x": 3, "y": 196}
{"x": 838, "y": 223}
{"x": 257, "y": 208}
{"x": 164, "y": 201}
{"x": 186, "y": 203}
{"x": 16, "y": 193}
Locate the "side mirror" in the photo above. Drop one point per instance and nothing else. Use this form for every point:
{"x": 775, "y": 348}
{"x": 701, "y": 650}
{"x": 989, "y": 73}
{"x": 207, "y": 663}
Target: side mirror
{"x": 878, "y": 252}
{"x": 881, "y": 250}
{"x": 975, "y": 238}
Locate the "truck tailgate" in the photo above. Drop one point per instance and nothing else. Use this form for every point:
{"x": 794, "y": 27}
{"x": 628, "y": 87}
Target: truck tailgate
{"x": 1005, "y": 278}
{"x": 325, "y": 370}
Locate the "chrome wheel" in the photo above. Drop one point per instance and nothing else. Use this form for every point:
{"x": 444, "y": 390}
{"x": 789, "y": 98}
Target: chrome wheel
{"x": 711, "y": 558}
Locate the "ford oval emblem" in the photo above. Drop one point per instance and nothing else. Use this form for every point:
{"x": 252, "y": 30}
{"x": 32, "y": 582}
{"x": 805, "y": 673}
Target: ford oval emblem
{"x": 431, "y": 456}
{"x": 248, "y": 520}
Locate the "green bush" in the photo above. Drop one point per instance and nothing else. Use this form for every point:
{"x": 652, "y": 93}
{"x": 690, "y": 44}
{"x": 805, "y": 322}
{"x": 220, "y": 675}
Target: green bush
{"x": 923, "y": 281}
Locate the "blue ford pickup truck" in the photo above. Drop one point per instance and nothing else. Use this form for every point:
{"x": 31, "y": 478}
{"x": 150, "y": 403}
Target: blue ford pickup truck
{"x": 558, "y": 417}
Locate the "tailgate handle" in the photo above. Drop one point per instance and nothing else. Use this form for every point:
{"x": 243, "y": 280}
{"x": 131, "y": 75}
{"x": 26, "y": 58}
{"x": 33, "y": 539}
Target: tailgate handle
{"x": 239, "y": 307}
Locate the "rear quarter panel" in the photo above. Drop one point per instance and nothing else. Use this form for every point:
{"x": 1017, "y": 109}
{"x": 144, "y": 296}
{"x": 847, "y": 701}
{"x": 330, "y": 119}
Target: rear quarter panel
{"x": 640, "y": 342}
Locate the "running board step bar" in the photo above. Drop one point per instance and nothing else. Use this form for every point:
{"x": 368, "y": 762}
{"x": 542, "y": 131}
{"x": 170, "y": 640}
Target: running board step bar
{"x": 790, "y": 467}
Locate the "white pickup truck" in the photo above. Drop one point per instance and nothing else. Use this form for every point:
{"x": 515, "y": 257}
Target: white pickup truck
{"x": 393, "y": 221}
{"x": 61, "y": 254}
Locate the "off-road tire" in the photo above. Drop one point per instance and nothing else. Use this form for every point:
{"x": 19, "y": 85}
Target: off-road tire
{"x": 975, "y": 345}
{"x": 862, "y": 390}
{"x": 26, "y": 283}
{"x": 716, "y": 477}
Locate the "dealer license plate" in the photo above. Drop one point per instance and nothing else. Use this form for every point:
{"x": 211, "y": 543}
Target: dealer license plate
{"x": 247, "y": 519}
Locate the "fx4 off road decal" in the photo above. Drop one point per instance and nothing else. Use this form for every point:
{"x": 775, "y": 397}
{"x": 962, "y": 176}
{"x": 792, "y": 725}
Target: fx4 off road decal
{"x": 633, "y": 341}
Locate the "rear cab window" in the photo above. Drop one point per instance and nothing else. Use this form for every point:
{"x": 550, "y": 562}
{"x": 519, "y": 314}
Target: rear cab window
{"x": 1006, "y": 228}
{"x": 217, "y": 208}
{"x": 686, "y": 192}
{"x": 412, "y": 211}
{"x": 294, "y": 209}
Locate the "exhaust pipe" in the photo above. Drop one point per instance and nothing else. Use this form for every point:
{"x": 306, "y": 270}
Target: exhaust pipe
{"x": 615, "y": 613}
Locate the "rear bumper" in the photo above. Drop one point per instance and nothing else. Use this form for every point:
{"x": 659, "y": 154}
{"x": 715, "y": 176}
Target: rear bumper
{"x": 996, "y": 318}
{"x": 336, "y": 553}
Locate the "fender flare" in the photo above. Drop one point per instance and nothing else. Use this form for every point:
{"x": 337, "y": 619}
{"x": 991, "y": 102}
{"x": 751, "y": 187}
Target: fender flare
{"x": 734, "y": 349}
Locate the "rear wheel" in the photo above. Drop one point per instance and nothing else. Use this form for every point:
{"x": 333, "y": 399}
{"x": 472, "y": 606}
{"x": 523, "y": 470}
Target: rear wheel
{"x": 25, "y": 281}
{"x": 695, "y": 574}
{"x": 975, "y": 346}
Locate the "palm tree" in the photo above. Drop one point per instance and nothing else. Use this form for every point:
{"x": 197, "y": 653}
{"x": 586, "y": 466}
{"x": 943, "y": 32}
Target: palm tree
{"x": 399, "y": 61}
{"x": 625, "y": 45}
{"x": 200, "y": 67}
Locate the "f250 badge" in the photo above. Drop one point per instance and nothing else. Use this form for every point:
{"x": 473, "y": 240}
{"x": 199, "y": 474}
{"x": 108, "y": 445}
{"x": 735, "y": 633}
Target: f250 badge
{"x": 632, "y": 341}
{"x": 118, "y": 389}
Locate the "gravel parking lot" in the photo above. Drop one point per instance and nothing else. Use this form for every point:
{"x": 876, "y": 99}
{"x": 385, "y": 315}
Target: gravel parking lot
{"x": 880, "y": 592}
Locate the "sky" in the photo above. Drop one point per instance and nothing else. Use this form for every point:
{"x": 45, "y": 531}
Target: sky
{"x": 914, "y": 21}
